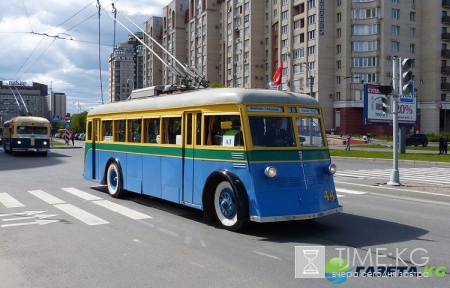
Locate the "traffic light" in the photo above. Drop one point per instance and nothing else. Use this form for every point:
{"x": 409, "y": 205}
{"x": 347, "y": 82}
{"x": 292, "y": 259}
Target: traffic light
{"x": 407, "y": 84}
{"x": 386, "y": 90}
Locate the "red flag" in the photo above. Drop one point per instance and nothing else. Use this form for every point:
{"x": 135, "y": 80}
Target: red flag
{"x": 278, "y": 74}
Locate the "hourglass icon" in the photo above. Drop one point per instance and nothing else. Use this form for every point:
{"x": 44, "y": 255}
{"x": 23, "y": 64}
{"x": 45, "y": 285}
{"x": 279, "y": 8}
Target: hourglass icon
{"x": 310, "y": 268}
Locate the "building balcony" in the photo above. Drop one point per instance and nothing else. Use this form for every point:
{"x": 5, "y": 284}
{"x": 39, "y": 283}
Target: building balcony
{"x": 445, "y": 86}
{"x": 446, "y": 19}
{"x": 446, "y": 36}
{"x": 446, "y": 3}
{"x": 445, "y": 69}
{"x": 445, "y": 53}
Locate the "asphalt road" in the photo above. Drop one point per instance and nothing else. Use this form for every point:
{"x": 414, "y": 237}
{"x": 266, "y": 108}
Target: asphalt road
{"x": 80, "y": 237}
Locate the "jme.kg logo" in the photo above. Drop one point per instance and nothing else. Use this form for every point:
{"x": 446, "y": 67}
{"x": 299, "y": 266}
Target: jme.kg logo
{"x": 351, "y": 262}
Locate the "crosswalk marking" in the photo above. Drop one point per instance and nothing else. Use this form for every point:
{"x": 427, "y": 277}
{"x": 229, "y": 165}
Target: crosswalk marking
{"x": 432, "y": 175}
{"x": 81, "y": 194}
{"x": 81, "y": 215}
{"x": 9, "y": 202}
{"x": 50, "y": 199}
{"x": 84, "y": 216}
{"x": 122, "y": 210}
{"x": 342, "y": 190}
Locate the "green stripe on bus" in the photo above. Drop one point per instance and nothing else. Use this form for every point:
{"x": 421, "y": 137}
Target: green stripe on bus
{"x": 215, "y": 154}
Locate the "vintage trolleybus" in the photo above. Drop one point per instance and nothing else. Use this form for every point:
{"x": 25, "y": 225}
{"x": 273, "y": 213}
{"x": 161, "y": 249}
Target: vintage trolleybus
{"x": 238, "y": 154}
{"x": 26, "y": 134}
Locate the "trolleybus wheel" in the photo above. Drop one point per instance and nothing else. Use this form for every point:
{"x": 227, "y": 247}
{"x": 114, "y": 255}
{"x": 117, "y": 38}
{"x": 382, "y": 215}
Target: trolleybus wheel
{"x": 114, "y": 180}
{"x": 227, "y": 208}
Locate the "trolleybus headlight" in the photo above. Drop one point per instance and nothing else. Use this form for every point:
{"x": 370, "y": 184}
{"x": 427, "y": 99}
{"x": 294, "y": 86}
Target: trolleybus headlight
{"x": 45, "y": 143}
{"x": 271, "y": 172}
{"x": 332, "y": 169}
{"x": 19, "y": 142}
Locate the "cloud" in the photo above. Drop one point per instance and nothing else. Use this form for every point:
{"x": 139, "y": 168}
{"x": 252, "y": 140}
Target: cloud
{"x": 56, "y": 42}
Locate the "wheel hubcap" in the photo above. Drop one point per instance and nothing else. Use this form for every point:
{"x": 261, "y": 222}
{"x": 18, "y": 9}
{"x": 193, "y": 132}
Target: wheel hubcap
{"x": 227, "y": 205}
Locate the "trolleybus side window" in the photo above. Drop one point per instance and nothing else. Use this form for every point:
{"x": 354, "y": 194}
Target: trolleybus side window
{"x": 107, "y": 130}
{"x": 171, "y": 133}
{"x": 218, "y": 127}
{"x": 151, "y": 130}
{"x": 198, "y": 129}
{"x": 134, "y": 130}
{"x": 119, "y": 127}
{"x": 89, "y": 131}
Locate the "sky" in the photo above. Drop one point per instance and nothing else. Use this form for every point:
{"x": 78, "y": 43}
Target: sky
{"x": 56, "y": 43}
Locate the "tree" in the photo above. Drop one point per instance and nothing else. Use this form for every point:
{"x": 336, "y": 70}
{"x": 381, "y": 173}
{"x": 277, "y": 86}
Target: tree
{"x": 78, "y": 122}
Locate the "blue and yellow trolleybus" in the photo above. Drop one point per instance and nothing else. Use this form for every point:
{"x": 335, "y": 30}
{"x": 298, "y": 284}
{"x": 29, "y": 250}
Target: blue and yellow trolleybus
{"x": 26, "y": 134}
{"x": 239, "y": 155}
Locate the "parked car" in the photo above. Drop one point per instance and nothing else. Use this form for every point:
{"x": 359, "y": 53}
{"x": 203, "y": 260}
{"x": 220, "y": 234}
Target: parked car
{"x": 416, "y": 140}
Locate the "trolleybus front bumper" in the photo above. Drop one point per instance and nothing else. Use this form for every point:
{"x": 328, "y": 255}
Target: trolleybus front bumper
{"x": 295, "y": 217}
{"x": 31, "y": 149}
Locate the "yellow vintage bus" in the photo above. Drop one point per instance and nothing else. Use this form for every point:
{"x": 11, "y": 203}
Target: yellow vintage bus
{"x": 26, "y": 134}
{"x": 239, "y": 155}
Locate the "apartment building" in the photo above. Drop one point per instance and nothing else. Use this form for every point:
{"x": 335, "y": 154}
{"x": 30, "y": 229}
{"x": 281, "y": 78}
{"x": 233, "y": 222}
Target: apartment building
{"x": 22, "y": 97}
{"x": 330, "y": 49}
{"x": 126, "y": 68}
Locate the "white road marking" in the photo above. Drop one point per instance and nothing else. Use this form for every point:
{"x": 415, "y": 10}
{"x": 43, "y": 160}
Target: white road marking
{"x": 81, "y": 194}
{"x": 341, "y": 190}
{"x": 40, "y": 216}
{"x": 50, "y": 199}
{"x": 167, "y": 231}
{"x": 39, "y": 222}
{"x": 9, "y": 202}
{"x": 122, "y": 210}
{"x": 267, "y": 255}
{"x": 26, "y": 213}
{"x": 81, "y": 215}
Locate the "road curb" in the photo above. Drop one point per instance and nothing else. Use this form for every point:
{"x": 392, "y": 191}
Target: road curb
{"x": 394, "y": 191}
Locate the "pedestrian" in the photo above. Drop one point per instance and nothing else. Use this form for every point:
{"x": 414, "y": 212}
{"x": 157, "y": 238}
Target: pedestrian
{"x": 444, "y": 144}
{"x": 349, "y": 138}
{"x": 72, "y": 136}
{"x": 441, "y": 144}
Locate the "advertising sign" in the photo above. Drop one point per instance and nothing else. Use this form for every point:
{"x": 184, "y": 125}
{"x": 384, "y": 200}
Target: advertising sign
{"x": 373, "y": 108}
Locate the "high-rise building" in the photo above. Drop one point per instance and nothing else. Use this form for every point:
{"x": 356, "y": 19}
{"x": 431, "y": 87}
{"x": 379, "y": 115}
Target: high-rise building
{"x": 57, "y": 104}
{"x": 329, "y": 50}
{"x": 22, "y": 98}
{"x": 126, "y": 68}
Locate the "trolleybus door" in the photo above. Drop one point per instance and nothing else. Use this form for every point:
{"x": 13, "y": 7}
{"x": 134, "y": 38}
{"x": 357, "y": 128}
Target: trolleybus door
{"x": 95, "y": 157}
{"x": 192, "y": 136}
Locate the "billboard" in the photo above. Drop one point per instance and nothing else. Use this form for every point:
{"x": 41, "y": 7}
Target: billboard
{"x": 373, "y": 108}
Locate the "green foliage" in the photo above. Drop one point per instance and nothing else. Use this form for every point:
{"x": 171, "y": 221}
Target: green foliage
{"x": 78, "y": 122}
{"x": 217, "y": 85}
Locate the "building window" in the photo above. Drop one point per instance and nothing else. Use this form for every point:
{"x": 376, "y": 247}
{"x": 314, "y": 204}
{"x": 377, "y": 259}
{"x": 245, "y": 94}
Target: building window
{"x": 338, "y": 80}
{"x": 412, "y": 32}
{"x": 338, "y": 96}
{"x": 338, "y": 49}
{"x": 311, "y": 34}
{"x": 412, "y": 48}
{"x": 361, "y": 46}
{"x": 338, "y": 17}
{"x": 395, "y": 45}
{"x": 311, "y": 19}
{"x": 338, "y": 33}
{"x": 369, "y": 29}
{"x": 311, "y": 4}
{"x": 365, "y": 13}
{"x": 395, "y": 13}
{"x": 395, "y": 29}
{"x": 412, "y": 16}
{"x": 284, "y": 43}
{"x": 338, "y": 65}
{"x": 297, "y": 24}
{"x": 284, "y": 29}
{"x": 338, "y": 3}
{"x": 365, "y": 62}
{"x": 284, "y": 15}
{"x": 311, "y": 50}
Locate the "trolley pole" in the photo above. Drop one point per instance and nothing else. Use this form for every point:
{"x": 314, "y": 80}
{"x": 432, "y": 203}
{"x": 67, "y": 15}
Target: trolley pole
{"x": 396, "y": 84}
